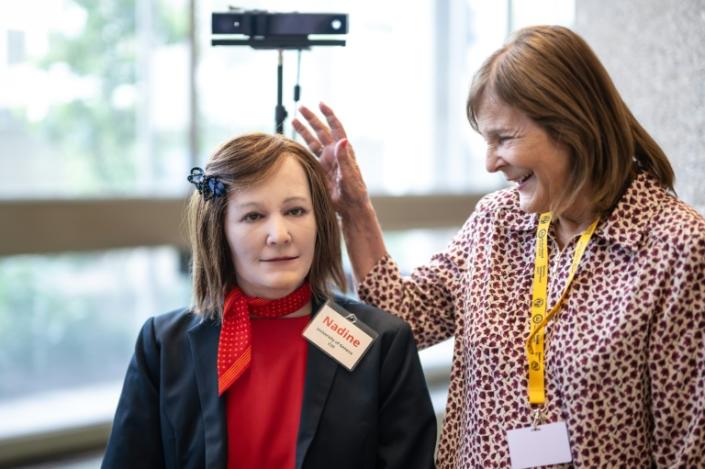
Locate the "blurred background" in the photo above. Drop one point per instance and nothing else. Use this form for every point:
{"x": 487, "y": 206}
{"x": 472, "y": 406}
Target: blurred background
{"x": 105, "y": 105}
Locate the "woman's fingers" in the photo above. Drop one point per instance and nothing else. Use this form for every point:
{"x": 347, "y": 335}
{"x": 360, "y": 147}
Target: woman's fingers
{"x": 336, "y": 127}
{"x": 336, "y": 155}
{"x": 345, "y": 162}
{"x": 322, "y": 130}
{"x": 311, "y": 140}
{"x": 351, "y": 185}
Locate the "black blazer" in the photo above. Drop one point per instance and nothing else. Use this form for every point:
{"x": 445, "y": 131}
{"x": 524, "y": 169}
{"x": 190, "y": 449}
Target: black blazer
{"x": 377, "y": 416}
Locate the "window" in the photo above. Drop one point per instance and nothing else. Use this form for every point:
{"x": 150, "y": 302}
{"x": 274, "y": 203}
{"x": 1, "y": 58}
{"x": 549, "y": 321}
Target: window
{"x": 93, "y": 97}
{"x": 93, "y": 104}
{"x": 69, "y": 321}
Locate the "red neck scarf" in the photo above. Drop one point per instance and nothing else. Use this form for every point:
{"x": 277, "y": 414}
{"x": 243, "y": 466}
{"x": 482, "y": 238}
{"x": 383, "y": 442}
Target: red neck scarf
{"x": 235, "y": 342}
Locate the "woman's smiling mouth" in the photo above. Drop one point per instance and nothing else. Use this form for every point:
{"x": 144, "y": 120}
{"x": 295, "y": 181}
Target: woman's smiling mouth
{"x": 519, "y": 181}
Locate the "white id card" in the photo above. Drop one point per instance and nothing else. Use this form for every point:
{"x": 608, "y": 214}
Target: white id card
{"x": 341, "y": 336}
{"x": 540, "y": 446}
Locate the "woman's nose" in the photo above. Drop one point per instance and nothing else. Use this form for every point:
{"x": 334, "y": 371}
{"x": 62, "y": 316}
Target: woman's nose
{"x": 278, "y": 231}
{"x": 493, "y": 162}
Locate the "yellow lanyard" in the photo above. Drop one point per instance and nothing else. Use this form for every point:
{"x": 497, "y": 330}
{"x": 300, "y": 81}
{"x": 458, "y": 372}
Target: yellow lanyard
{"x": 539, "y": 318}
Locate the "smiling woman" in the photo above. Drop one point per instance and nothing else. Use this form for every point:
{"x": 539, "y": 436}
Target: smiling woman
{"x": 232, "y": 381}
{"x": 524, "y": 153}
{"x": 554, "y": 323}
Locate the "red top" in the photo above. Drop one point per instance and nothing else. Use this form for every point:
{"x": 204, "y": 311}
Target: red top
{"x": 263, "y": 407}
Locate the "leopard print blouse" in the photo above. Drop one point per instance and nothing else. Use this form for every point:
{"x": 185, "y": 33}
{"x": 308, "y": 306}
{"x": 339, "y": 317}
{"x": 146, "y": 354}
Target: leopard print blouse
{"x": 625, "y": 356}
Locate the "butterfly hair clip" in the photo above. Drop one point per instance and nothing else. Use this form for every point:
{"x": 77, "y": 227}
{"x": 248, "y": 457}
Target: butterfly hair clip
{"x": 208, "y": 186}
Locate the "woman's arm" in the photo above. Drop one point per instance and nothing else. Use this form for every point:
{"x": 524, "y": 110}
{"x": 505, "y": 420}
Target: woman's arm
{"x": 430, "y": 298}
{"x": 677, "y": 363}
{"x": 135, "y": 439}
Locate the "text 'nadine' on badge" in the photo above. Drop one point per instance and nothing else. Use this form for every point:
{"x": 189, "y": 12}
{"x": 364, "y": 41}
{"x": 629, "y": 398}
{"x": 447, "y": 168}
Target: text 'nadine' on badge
{"x": 339, "y": 334}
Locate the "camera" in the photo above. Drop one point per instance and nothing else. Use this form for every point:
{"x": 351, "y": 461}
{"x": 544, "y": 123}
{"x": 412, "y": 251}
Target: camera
{"x": 278, "y": 30}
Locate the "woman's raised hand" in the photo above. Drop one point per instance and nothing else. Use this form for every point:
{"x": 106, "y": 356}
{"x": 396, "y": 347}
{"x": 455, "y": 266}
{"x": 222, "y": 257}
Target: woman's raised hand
{"x": 330, "y": 143}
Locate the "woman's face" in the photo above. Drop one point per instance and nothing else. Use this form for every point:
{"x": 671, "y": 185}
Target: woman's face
{"x": 271, "y": 231}
{"x": 524, "y": 153}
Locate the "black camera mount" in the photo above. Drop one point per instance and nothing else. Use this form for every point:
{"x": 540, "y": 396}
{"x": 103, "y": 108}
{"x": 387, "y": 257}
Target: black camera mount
{"x": 260, "y": 29}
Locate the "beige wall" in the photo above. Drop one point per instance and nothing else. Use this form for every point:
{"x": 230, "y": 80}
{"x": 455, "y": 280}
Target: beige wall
{"x": 655, "y": 52}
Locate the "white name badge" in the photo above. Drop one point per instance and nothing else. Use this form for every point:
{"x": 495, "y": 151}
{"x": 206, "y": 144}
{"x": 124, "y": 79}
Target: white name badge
{"x": 341, "y": 336}
{"x": 540, "y": 446}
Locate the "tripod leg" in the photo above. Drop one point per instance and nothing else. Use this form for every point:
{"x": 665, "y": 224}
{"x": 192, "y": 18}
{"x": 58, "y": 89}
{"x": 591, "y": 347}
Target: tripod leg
{"x": 280, "y": 112}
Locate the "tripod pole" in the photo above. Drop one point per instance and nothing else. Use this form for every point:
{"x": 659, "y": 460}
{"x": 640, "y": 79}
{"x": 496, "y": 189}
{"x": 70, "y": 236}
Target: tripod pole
{"x": 279, "y": 112}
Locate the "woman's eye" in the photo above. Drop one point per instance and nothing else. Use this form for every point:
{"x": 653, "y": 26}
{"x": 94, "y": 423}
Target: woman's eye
{"x": 252, "y": 216}
{"x": 297, "y": 212}
{"x": 503, "y": 139}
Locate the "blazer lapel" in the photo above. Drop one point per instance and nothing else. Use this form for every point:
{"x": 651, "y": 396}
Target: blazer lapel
{"x": 203, "y": 339}
{"x": 320, "y": 371}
